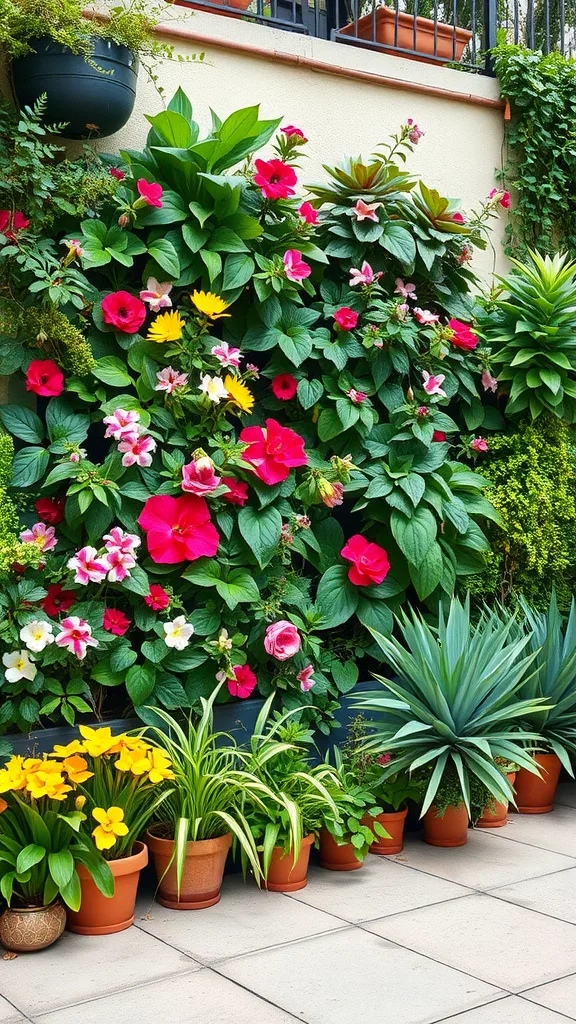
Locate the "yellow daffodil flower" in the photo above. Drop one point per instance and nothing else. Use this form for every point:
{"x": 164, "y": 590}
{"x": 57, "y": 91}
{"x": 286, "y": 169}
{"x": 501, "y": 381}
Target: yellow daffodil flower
{"x": 132, "y": 743}
{"x": 13, "y": 775}
{"x": 75, "y": 747}
{"x": 128, "y": 758}
{"x": 166, "y": 327}
{"x": 76, "y": 768}
{"x": 156, "y": 765}
{"x": 212, "y": 306}
{"x": 110, "y": 826}
{"x": 99, "y": 741}
{"x": 239, "y": 394}
{"x": 47, "y": 783}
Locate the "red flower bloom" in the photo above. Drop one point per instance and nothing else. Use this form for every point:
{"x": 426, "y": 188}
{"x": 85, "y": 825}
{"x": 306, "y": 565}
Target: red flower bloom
{"x": 150, "y": 192}
{"x": 237, "y": 493}
{"x": 291, "y": 130}
{"x": 57, "y": 600}
{"x": 463, "y": 337}
{"x": 157, "y": 599}
{"x": 346, "y": 318}
{"x": 178, "y": 529}
{"x": 438, "y": 435}
{"x": 124, "y": 311}
{"x": 309, "y": 213}
{"x": 244, "y": 681}
{"x": 45, "y": 378}
{"x": 11, "y": 223}
{"x": 370, "y": 562}
{"x": 284, "y": 386}
{"x": 115, "y": 621}
{"x": 116, "y": 173}
{"x": 273, "y": 451}
{"x": 458, "y": 218}
{"x": 51, "y": 510}
{"x": 274, "y": 178}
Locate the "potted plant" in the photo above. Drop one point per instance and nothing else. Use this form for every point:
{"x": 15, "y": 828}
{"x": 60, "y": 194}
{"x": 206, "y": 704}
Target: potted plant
{"x": 42, "y": 852}
{"x": 86, "y": 67}
{"x": 425, "y": 39}
{"x": 552, "y": 680}
{"x": 286, "y": 828}
{"x": 451, "y": 707}
{"x": 494, "y": 813}
{"x": 203, "y": 812}
{"x": 120, "y": 780}
{"x": 346, "y": 838}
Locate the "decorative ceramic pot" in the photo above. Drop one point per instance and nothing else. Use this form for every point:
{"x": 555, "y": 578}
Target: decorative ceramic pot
{"x": 30, "y": 928}
{"x": 393, "y": 822}
{"x": 104, "y": 915}
{"x": 451, "y": 829}
{"x": 534, "y": 795}
{"x": 337, "y": 858}
{"x": 283, "y": 874}
{"x": 498, "y": 817}
{"x": 202, "y": 874}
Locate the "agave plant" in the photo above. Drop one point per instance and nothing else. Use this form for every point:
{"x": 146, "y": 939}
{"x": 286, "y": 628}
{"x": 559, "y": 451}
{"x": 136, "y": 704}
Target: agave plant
{"x": 454, "y": 705}
{"x": 553, "y": 677}
{"x": 533, "y": 336}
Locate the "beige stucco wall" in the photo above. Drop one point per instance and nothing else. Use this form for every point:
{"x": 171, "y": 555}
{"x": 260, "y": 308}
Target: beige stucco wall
{"x": 340, "y": 115}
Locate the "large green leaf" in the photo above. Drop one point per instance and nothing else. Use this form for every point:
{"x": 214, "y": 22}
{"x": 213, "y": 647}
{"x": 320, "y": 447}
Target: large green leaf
{"x": 22, "y": 423}
{"x": 414, "y": 535}
{"x": 336, "y": 597}
{"x": 261, "y": 529}
{"x": 28, "y": 466}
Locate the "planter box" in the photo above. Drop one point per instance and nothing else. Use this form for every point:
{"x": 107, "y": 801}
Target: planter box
{"x": 435, "y": 43}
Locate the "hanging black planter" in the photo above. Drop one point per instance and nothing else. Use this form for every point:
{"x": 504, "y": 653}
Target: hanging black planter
{"x": 94, "y": 103}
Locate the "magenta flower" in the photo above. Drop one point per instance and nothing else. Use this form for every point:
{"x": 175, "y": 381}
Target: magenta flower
{"x": 308, "y": 213}
{"x": 291, "y": 130}
{"x": 294, "y": 266}
{"x": 366, "y": 211}
{"x": 407, "y": 291}
{"x": 364, "y": 276}
{"x": 116, "y": 173}
{"x": 123, "y": 425}
{"x": 88, "y": 566}
{"x": 274, "y": 178}
{"x": 198, "y": 477}
{"x": 458, "y": 218}
{"x": 422, "y": 411}
{"x": 357, "y": 396}
{"x": 415, "y": 133}
{"x": 169, "y": 380}
{"x": 489, "y": 383}
{"x": 346, "y": 318}
{"x": 433, "y": 385}
{"x": 119, "y": 563}
{"x": 304, "y": 678}
{"x": 138, "y": 451}
{"x": 479, "y": 444}
{"x": 424, "y": 316}
{"x": 227, "y": 355}
{"x": 119, "y": 540}
{"x": 500, "y": 197}
{"x": 76, "y": 636}
{"x": 44, "y": 537}
{"x": 157, "y": 294}
{"x": 150, "y": 192}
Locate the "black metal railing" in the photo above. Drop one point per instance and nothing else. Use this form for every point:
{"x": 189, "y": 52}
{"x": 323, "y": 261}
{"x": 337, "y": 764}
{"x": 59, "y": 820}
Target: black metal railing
{"x": 455, "y": 33}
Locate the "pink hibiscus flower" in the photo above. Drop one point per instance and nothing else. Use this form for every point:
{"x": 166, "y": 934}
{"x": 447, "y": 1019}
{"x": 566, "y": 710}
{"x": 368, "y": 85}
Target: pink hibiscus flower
{"x": 273, "y": 451}
{"x": 244, "y": 682}
{"x": 308, "y": 213}
{"x": 274, "y": 178}
{"x": 178, "y": 529}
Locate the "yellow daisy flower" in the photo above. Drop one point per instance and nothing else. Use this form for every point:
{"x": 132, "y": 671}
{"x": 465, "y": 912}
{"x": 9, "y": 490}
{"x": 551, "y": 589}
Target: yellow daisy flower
{"x": 211, "y": 305}
{"x": 166, "y": 327}
{"x": 239, "y": 394}
{"x": 110, "y": 826}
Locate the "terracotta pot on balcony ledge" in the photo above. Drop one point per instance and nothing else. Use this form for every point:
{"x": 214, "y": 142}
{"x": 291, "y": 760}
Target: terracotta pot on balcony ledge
{"x": 221, "y": 8}
{"x": 447, "y": 45}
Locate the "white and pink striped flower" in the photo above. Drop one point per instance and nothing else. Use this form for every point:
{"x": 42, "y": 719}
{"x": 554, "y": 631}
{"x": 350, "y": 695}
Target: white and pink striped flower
{"x": 76, "y": 636}
{"x": 407, "y": 291}
{"x": 157, "y": 294}
{"x": 137, "y": 451}
{"x": 425, "y": 316}
{"x": 227, "y": 355}
{"x": 364, "y": 276}
{"x": 366, "y": 211}
{"x": 89, "y": 567}
{"x": 433, "y": 385}
{"x": 119, "y": 540}
{"x": 169, "y": 380}
{"x": 120, "y": 563}
{"x": 123, "y": 425}
{"x": 44, "y": 537}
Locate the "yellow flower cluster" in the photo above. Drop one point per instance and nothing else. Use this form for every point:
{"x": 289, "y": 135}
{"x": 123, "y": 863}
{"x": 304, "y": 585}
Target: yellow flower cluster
{"x": 42, "y": 777}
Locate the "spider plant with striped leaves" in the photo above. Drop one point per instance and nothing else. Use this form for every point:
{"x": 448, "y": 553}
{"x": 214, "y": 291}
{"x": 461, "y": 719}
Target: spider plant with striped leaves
{"x": 455, "y": 700}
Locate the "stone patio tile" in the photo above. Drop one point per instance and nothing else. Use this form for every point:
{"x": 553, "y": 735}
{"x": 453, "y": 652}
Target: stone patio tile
{"x": 559, "y": 995}
{"x": 79, "y": 967}
{"x": 498, "y": 942}
{"x": 246, "y": 919}
{"x": 554, "y": 831}
{"x": 382, "y": 886}
{"x": 550, "y": 894}
{"x": 355, "y": 976}
{"x": 512, "y": 1010}
{"x": 482, "y": 865}
{"x": 8, "y": 1013}
{"x": 199, "y": 998}
{"x": 566, "y": 794}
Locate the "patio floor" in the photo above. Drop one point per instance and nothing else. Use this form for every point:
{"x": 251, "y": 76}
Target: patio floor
{"x": 485, "y": 934}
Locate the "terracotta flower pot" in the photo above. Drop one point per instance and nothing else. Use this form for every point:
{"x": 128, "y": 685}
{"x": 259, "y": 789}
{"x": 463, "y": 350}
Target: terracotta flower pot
{"x": 337, "y": 858}
{"x": 443, "y": 43}
{"x": 222, "y": 7}
{"x": 30, "y": 928}
{"x": 393, "y": 822}
{"x": 202, "y": 874}
{"x": 498, "y": 817}
{"x": 283, "y": 874}
{"x": 449, "y": 830}
{"x": 104, "y": 915}
{"x": 534, "y": 795}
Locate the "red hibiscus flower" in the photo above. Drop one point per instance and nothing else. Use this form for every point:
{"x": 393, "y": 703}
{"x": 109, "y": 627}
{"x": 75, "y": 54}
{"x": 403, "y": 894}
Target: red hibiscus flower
{"x": 346, "y": 318}
{"x": 115, "y": 621}
{"x": 178, "y": 529}
{"x": 124, "y": 311}
{"x": 11, "y": 223}
{"x": 284, "y": 386}
{"x": 150, "y": 192}
{"x": 117, "y": 173}
{"x": 157, "y": 599}
{"x": 273, "y": 451}
{"x": 237, "y": 493}
{"x": 274, "y": 178}
{"x": 57, "y": 600}
{"x": 51, "y": 510}
{"x": 438, "y": 435}
{"x": 370, "y": 562}
{"x": 45, "y": 378}
{"x": 244, "y": 681}
{"x": 462, "y": 337}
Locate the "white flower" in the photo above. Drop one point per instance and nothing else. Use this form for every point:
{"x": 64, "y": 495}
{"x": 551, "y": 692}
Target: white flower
{"x": 19, "y": 665}
{"x": 213, "y": 387}
{"x": 37, "y": 635}
{"x": 178, "y": 633}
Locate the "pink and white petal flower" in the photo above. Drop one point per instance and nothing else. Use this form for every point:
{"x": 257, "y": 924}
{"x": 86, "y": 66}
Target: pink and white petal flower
{"x": 366, "y": 211}
{"x": 123, "y": 425}
{"x": 138, "y": 451}
{"x": 89, "y": 567}
{"x": 44, "y": 537}
{"x": 227, "y": 355}
{"x": 157, "y": 294}
{"x": 76, "y": 636}
{"x": 433, "y": 385}
{"x": 169, "y": 380}
{"x": 119, "y": 540}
